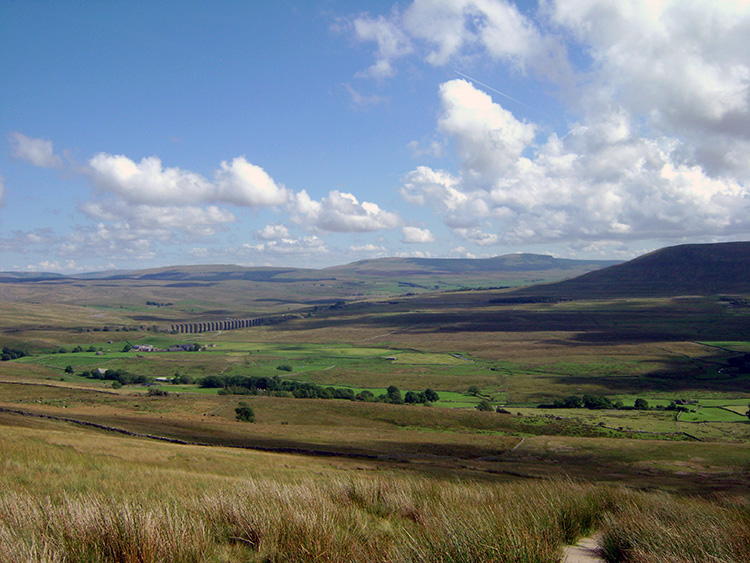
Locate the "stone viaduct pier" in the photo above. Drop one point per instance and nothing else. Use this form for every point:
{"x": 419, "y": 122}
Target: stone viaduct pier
{"x": 228, "y": 324}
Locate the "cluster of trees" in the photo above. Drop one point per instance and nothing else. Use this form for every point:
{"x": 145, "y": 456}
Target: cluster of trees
{"x": 12, "y": 353}
{"x": 593, "y": 402}
{"x": 76, "y": 350}
{"x": 181, "y": 379}
{"x": 393, "y": 395}
{"x": 120, "y": 376}
{"x": 158, "y": 304}
{"x": 252, "y": 385}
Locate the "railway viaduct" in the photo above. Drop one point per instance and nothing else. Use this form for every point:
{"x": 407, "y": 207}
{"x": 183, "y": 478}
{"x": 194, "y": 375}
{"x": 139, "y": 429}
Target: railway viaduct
{"x": 228, "y": 324}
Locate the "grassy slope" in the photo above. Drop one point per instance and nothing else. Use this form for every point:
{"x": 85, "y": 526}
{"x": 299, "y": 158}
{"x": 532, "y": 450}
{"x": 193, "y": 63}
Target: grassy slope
{"x": 74, "y": 494}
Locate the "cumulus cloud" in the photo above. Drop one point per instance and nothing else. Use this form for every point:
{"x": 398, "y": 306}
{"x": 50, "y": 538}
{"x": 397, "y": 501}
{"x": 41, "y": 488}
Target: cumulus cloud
{"x": 272, "y": 232}
{"x": 415, "y": 235}
{"x": 170, "y": 196}
{"x": 148, "y": 181}
{"x": 246, "y": 184}
{"x": 38, "y": 152}
{"x": 340, "y": 212}
{"x": 138, "y": 204}
{"x": 681, "y": 66}
{"x": 599, "y": 181}
{"x": 488, "y": 138}
{"x": 659, "y": 139}
{"x": 238, "y": 182}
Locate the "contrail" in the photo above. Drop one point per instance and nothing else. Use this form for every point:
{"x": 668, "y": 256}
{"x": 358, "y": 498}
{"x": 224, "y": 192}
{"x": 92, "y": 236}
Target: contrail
{"x": 491, "y": 88}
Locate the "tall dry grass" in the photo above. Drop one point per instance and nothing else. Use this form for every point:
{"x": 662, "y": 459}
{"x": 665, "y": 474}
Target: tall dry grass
{"x": 76, "y": 496}
{"x": 376, "y": 519}
{"x": 658, "y": 528}
{"x": 379, "y": 519}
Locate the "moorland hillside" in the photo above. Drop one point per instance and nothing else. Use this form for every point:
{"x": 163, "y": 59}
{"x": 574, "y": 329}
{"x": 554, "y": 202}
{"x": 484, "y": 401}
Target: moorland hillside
{"x": 690, "y": 269}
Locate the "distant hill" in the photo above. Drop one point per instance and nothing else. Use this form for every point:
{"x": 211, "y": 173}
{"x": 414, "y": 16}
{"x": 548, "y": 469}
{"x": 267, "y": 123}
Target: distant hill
{"x": 214, "y": 289}
{"x": 377, "y": 268}
{"x": 388, "y": 267}
{"x": 28, "y": 276}
{"x": 689, "y": 269}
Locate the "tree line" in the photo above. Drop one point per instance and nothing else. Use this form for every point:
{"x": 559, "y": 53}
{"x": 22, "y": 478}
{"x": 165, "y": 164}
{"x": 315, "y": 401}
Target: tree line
{"x": 275, "y": 386}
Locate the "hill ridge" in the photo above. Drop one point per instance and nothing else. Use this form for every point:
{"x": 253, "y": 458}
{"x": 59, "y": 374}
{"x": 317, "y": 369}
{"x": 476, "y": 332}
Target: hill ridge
{"x": 686, "y": 269}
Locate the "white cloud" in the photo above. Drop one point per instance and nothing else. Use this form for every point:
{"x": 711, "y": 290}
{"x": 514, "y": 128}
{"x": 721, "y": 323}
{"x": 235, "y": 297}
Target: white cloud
{"x": 461, "y": 252}
{"x": 488, "y": 138}
{"x": 53, "y": 266}
{"x": 477, "y": 236}
{"x": 391, "y": 40}
{"x": 415, "y": 235}
{"x": 446, "y": 31}
{"x": 38, "y": 152}
{"x": 301, "y": 245}
{"x": 362, "y": 100}
{"x": 370, "y": 248}
{"x": 246, "y": 184}
{"x": 272, "y": 232}
{"x": 425, "y": 186}
{"x": 682, "y": 66}
{"x": 598, "y": 182}
{"x": 238, "y": 182}
{"x": 159, "y": 220}
{"x": 117, "y": 241}
{"x": 147, "y": 181}
{"x": 24, "y": 241}
{"x": 340, "y": 212}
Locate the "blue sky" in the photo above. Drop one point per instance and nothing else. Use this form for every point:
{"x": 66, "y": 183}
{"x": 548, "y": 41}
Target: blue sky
{"x": 315, "y": 133}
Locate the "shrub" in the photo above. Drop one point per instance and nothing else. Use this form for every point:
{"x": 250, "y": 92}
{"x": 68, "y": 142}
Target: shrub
{"x": 431, "y": 395}
{"x": 484, "y": 405}
{"x": 284, "y": 367}
{"x": 244, "y": 412}
{"x": 393, "y": 395}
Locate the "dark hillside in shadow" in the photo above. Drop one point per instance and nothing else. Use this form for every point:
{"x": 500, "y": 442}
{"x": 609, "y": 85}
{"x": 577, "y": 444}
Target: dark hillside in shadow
{"x": 691, "y": 269}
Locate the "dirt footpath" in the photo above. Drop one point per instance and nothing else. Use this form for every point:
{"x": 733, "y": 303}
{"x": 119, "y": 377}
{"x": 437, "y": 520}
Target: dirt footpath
{"x": 585, "y": 551}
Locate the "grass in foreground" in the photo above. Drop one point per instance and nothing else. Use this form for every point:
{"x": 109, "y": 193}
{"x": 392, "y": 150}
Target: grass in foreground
{"x": 72, "y": 495}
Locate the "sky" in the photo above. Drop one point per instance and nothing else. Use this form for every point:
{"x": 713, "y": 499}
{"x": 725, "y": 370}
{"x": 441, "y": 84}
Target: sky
{"x": 313, "y": 133}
